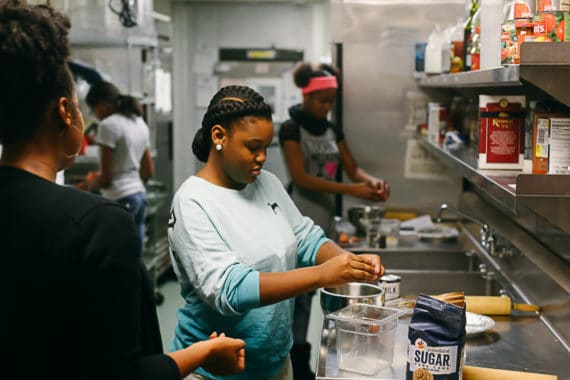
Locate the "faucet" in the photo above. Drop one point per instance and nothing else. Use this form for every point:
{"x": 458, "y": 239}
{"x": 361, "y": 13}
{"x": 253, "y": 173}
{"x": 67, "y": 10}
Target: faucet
{"x": 487, "y": 236}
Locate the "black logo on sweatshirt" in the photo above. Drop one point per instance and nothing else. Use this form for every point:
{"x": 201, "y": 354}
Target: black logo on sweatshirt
{"x": 274, "y": 206}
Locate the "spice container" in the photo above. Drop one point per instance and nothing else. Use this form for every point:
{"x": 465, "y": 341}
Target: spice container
{"x": 389, "y": 233}
{"x": 540, "y": 141}
{"x": 391, "y": 285}
{"x": 373, "y": 236}
{"x": 559, "y": 150}
{"x": 524, "y": 30}
{"x": 544, "y": 111}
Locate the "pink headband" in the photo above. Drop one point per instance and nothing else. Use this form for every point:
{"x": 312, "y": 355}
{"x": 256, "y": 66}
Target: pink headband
{"x": 320, "y": 83}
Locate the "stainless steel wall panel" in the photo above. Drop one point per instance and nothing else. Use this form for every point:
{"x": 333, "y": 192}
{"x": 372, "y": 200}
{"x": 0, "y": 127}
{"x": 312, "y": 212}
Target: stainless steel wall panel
{"x": 378, "y": 60}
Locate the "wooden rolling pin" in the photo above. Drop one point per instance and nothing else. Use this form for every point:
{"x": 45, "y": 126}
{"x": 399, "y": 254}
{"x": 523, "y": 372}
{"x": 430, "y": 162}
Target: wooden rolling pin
{"x": 489, "y": 305}
{"x": 480, "y": 373}
{"x": 496, "y": 305}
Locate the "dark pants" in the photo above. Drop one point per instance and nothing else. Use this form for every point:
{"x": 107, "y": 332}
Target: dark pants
{"x": 301, "y": 317}
{"x": 301, "y": 351}
{"x": 136, "y": 204}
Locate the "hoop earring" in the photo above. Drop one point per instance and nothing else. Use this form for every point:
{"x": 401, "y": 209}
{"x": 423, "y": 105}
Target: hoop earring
{"x": 219, "y": 147}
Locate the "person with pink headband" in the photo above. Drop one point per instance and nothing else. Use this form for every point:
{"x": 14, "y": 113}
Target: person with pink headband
{"x": 314, "y": 149}
{"x": 320, "y": 83}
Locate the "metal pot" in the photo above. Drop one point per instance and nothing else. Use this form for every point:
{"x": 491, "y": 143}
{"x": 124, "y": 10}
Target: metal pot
{"x": 335, "y": 298}
{"x": 356, "y": 213}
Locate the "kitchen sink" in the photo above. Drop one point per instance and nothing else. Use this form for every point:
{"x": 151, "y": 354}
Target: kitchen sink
{"x": 436, "y": 282}
{"x": 417, "y": 254}
{"x": 437, "y": 267}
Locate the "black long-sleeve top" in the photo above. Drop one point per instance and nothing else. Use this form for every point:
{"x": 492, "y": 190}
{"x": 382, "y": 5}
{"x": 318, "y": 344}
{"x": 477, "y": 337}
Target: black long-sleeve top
{"x": 77, "y": 303}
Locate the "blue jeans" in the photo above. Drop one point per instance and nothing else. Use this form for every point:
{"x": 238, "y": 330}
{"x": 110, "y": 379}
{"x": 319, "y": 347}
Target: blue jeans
{"x": 136, "y": 204}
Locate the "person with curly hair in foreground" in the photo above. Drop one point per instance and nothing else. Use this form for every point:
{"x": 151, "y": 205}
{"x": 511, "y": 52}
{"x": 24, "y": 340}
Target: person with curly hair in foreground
{"x": 80, "y": 305}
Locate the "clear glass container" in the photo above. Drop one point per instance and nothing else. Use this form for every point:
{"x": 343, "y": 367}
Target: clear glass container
{"x": 365, "y": 337}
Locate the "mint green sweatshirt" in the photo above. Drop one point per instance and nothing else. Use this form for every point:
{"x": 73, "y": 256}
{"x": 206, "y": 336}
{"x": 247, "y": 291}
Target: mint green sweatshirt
{"x": 220, "y": 240}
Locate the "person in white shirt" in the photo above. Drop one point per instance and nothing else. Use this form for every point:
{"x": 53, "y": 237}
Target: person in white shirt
{"x": 125, "y": 158}
{"x": 240, "y": 247}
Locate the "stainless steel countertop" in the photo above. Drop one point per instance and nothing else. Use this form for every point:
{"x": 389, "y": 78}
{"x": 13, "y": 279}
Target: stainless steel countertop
{"x": 517, "y": 342}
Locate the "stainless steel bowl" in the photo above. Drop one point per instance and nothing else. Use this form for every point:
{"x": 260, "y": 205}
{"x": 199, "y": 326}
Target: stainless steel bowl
{"x": 335, "y": 298}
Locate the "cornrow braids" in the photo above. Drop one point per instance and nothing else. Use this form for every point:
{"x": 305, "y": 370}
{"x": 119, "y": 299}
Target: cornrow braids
{"x": 34, "y": 50}
{"x": 228, "y": 105}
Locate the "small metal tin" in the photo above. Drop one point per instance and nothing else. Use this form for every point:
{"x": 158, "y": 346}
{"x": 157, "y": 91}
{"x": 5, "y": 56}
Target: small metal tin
{"x": 391, "y": 285}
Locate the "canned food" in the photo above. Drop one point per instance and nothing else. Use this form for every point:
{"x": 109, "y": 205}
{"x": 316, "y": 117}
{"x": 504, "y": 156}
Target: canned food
{"x": 553, "y": 5}
{"x": 550, "y": 26}
{"x": 391, "y": 285}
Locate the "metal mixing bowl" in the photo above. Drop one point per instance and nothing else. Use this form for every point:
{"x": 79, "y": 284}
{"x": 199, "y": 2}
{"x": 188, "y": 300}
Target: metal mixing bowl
{"x": 335, "y": 298}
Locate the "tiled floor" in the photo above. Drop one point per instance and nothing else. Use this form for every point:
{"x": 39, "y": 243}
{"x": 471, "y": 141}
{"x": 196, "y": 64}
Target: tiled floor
{"x": 172, "y": 301}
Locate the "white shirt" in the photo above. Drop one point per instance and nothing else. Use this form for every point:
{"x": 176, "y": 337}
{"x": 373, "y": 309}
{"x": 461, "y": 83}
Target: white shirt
{"x": 128, "y": 138}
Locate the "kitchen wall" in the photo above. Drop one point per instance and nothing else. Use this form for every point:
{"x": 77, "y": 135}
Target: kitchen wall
{"x": 200, "y": 28}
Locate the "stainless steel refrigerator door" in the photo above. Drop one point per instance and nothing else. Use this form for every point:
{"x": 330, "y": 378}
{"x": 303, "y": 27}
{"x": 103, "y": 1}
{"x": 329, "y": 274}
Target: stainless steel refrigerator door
{"x": 378, "y": 63}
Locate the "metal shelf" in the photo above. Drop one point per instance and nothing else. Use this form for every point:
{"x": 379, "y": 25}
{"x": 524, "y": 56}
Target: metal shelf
{"x": 102, "y": 41}
{"x": 497, "y": 77}
{"x": 545, "y": 195}
{"x": 545, "y": 65}
{"x": 500, "y": 185}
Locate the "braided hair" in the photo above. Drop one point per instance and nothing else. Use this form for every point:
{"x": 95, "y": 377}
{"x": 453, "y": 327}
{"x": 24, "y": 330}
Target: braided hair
{"x": 230, "y": 104}
{"x": 33, "y": 70}
{"x": 106, "y": 92}
{"x": 305, "y": 71}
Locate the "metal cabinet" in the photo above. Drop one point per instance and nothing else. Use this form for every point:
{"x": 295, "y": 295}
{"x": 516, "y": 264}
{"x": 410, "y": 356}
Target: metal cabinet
{"x": 138, "y": 60}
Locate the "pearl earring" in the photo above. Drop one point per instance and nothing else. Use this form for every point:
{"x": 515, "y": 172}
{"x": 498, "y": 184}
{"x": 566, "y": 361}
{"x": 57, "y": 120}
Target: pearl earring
{"x": 219, "y": 147}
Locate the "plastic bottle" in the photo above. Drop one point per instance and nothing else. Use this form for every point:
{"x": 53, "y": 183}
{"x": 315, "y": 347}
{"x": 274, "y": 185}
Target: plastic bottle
{"x": 446, "y": 50}
{"x": 457, "y": 47}
{"x": 475, "y": 49}
{"x": 491, "y": 17}
{"x": 433, "y": 52}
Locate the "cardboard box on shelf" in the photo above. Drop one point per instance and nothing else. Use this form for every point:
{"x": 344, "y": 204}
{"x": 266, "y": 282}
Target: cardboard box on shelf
{"x": 501, "y": 132}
